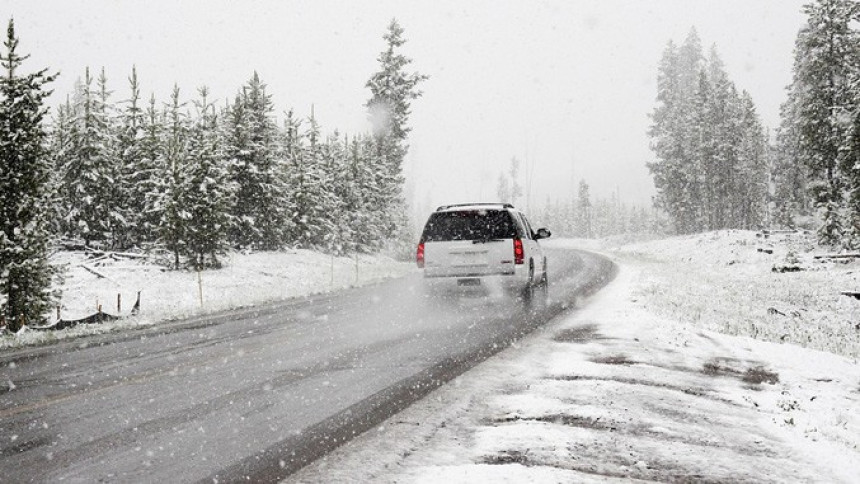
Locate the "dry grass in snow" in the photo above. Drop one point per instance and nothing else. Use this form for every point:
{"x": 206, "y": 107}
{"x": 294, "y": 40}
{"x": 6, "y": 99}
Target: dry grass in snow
{"x": 725, "y": 281}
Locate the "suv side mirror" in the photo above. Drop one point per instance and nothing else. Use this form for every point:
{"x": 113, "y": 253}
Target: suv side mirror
{"x": 543, "y": 234}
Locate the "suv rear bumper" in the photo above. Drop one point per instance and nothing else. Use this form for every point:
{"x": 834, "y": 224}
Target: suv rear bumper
{"x": 510, "y": 281}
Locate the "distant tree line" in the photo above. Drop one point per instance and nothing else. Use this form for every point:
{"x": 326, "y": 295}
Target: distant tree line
{"x": 817, "y": 155}
{"x": 711, "y": 169}
{"x": 588, "y": 217}
{"x": 580, "y": 215}
{"x": 192, "y": 177}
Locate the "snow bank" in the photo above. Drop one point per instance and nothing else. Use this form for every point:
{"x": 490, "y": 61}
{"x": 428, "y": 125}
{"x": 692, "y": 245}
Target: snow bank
{"x": 731, "y": 282}
{"x": 245, "y": 279}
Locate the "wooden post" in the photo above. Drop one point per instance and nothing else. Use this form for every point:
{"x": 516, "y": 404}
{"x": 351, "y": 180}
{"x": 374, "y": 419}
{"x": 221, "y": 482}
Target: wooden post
{"x": 200, "y": 286}
{"x": 356, "y": 267}
{"x": 58, "y": 312}
{"x": 100, "y": 308}
{"x": 118, "y": 303}
{"x": 136, "y": 308}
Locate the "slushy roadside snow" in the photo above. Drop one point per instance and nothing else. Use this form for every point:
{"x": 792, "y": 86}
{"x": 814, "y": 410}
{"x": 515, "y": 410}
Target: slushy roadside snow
{"x": 616, "y": 390}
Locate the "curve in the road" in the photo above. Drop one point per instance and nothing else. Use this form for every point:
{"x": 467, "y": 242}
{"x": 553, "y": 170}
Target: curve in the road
{"x": 255, "y": 393}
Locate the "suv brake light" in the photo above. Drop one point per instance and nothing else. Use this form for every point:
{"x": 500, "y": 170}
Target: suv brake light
{"x": 518, "y": 251}
{"x": 419, "y": 255}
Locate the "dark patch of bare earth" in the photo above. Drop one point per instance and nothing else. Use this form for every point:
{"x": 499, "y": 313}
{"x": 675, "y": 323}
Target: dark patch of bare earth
{"x": 753, "y": 374}
{"x": 579, "y": 334}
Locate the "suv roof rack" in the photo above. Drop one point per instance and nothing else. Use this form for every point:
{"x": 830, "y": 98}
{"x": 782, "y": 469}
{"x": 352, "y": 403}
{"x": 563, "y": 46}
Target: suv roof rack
{"x": 445, "y": 207}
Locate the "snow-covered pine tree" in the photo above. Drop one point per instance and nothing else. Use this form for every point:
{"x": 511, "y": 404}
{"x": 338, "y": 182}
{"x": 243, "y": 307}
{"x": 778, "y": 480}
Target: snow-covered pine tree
{"x": 850, "y": 166}
{"x": 60, "y": 147}
{"x": 849, "y": 161}
{"x": 820, "y": 96}
{"x": 790, "y": 195}
{"x": 699, "y": 194}
{"x": 206, "y": 193}
{"x": 384, "y": 202}
{"x": 25, "y": 170}
{"x": 705, "y": 136}
{"x": 674, "y": 178}
{"x": 148, "y": 180}
{"x": 720, "y": 176}
{"x": 270, "y": 216}
{"x": 90, "y": 168}
{"x": 130, "y": 183}
{"x": 174, "y": 216}
{"x": 115, "y": 206}
{"x": 251, "y": 147}
{"x": 751, "y": 180}
{"x": 310, "y": 195}
{"x": 341, "y": 195}
{"x": 235, "y": 141}
{"x": 367, "y": 224}
{"x": 351, "y": 197}
{"x": 392, "y": 91}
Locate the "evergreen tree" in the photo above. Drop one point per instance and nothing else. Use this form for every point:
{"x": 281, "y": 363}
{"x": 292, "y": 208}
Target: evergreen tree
{"x": 392, "y": 91}
{"x": 60, "y": 148}
{"x": 311, "y": 198}
{"x": 114, "y": 207}
{"x": 90, "y": 168}
{"x": 368, "y": 225}
{"x": 25, "y": 274}
{"x": 148, "y": 180}
{"x": 851, "y": 167}
{"x": 252, "y": 150}
{"x": 343, "y": 191}
{"x": 131, "y": 181}
{"x": 170, "y": 206}
{"x": 751, "y": 180}
{"x": 206, "y": 194}
{"x": 820, "y": 97}
{"x": 672, "y": 174}
{"x": 711, "y": 164}
{"x": 790, "y": 177}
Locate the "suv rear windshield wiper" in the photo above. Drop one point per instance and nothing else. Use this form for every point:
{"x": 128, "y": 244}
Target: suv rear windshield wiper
{"x": 484, "y": 241}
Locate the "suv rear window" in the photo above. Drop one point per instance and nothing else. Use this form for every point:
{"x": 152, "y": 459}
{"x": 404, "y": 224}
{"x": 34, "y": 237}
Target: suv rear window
{"x": 469, "y": 225}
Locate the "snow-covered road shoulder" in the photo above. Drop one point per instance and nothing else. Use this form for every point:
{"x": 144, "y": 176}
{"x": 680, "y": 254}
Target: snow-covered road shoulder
{"x": 615, "y": 391}
{"x": 246, "y": 279}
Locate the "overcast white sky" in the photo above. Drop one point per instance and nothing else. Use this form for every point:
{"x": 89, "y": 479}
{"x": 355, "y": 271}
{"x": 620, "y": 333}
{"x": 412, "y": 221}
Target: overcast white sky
{"x": 565, "y": 86}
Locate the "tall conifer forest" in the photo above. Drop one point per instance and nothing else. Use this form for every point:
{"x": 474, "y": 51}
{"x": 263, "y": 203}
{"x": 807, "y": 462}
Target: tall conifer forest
{"x": 191, "y": 176}
{"x": 717, "y": 168}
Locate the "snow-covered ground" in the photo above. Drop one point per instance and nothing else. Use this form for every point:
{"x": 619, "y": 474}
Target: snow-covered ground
{"x": 245, "y": 279}
{"x": 634, "y": 385}
{"x": 726, "y": 281}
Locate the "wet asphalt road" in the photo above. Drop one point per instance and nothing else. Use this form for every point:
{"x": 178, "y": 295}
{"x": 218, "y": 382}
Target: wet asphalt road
{"x": 254, "y": 393}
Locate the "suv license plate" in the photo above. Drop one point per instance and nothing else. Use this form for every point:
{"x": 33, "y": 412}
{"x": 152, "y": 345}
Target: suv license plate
{"x": 469, "y": 282}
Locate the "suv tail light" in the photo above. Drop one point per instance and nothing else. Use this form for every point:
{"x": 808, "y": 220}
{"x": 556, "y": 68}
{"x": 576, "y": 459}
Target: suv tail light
{"x": 518, "y": 251}
{"x": 419, "y": 255}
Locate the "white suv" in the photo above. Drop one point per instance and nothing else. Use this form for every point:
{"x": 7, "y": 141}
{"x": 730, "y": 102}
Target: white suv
{"x": 480, "y": 244}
